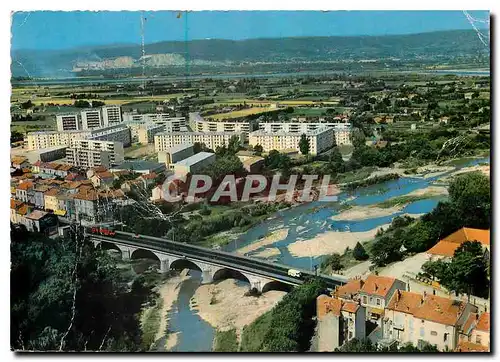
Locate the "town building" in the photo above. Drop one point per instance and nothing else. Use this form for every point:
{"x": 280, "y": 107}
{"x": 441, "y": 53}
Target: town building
{"x": 341, "y": 130}
{"x": 251, "y": 163}
{"x": 19, "y": 162}
{"x": 376, "y": 293}
{"x": 320, "y": 139}
{"x": 340, "y": 320}
{"x": 175, "y": 154}
{"x": 90, "y": 153}
{"x": 68, "y": 122}
{"x": 42, "y": 222}
{"x": 446, "y": 247}
{"x": 146, "y": 133}
{"x": 51, "y": 153}
{"x": 91, "y": 118}
{"x": 194, "y": 163}
{"x": 475, "y": 334}
{"x": 142, "y": 167}
{"x": 199, "y": 124}
{"x": 111, "y": 115}
{"x": 212, "y": 140}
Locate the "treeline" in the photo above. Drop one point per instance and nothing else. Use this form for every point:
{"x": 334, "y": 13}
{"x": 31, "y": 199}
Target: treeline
{"x": 68, "y": 296}
{"x": 289, "y": 326}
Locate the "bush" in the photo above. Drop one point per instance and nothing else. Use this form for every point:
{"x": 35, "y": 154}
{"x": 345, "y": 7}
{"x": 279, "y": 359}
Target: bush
{"x": 359, "y": 253}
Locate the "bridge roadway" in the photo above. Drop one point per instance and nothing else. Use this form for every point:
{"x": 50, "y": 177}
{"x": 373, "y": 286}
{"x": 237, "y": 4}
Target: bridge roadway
{"x": 211, "y": 262}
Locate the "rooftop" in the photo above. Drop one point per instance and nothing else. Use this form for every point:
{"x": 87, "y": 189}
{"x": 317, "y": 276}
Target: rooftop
{"x": 440, "y": 310}
{"x": 448, "y": 245}
{"x": 405, "y": 302}
{"x": 349, "y": 289}
{"x": 465, "y": 346}
{"x": 180, "y": 147}
{"x": 138, "y": 166}
{"x": 195, "y": 158}
{"x": 377, "y": 285}
{"x": 37, "y": 215}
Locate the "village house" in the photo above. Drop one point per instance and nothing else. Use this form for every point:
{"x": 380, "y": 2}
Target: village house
{"x": 148, "y": 179}
{"x": 20, "y": 162}
{"x": 376, "y": 293}
{"x": 92, "y": 171}
{"x": 50, "y": 198}
{"x": 343, "y": 319}
{"x": 350, "y": 290}
{"x": 22, "y": 190}
{"x": 102, "y": 179}
{"x": 445, "y": 248}
{"x": 42, "y": 222}
{"x": 475, "y": 334}
{"x": 14, "y": 206}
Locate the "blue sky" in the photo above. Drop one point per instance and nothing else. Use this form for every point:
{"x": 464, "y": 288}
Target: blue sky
{"x": 63, "y": 30}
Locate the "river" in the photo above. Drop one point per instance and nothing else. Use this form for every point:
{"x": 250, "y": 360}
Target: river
{"x": 304, "y": 221}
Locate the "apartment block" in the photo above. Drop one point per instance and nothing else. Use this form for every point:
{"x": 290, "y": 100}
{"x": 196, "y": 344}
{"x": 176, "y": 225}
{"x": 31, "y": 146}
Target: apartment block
{"x": 91, "y": 153}
{"x": 111, "y": 115}
{"x": 68, "y": 122}
{"x": 199, "y": 124}
{"x": 341, "y": 131}
{"x": 164, "y": 141}
{"x": 117, "y": 133}
{"x": 91, "y": 118}
{"x": 320, "y": 140}
{"x": 146, "y": 133}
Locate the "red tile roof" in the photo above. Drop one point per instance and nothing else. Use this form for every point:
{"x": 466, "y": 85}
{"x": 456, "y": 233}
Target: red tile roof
{"x": 448, "y": 245}
{"x": 51, "y": 192}
{"x": 350, "y": 289}
{"x": 483, "y": 324}
{"x": 25, "y": 185}
{"x": 377, "y": 285}
{"x": 405, "y": 302}
{"x": 440, "y": 310}
{"x": 465, "y": 346}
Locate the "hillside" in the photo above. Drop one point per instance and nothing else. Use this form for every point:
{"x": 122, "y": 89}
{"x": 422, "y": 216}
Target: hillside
{"x": 447, "y": 45}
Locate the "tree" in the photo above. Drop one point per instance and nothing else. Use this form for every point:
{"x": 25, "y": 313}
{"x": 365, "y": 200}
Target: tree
{"x": 336, "y": 162}
{"x": 258, "y": 149}
{"x": 334, "y": 261}
{"x": 386, "y": 250}
{"x": 304, "y": 145}
{"x": 359, "y": 252}
{"x": 357, "y": 345}
{"x": 233, "y": 145}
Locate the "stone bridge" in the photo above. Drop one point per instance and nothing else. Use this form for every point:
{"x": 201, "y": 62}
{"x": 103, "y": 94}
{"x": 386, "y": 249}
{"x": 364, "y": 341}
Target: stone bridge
{"x": 210, "y": 272}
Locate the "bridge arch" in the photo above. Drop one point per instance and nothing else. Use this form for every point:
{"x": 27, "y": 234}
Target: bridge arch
{"x": 144, "y": 254}
{"x": 276, "y": 285}
{"x": 183, "y": 263}
{"x": 227, "y": 273}
{"x": 106, "y": 245}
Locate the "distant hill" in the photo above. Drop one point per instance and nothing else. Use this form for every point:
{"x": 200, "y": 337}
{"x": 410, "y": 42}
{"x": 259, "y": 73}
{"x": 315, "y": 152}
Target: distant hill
{"x": 213, "y": 52}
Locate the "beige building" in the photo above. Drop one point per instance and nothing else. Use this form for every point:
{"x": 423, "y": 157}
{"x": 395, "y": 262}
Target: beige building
{"x": 418, "y": 319}
{"x": 111, "y": 115}
{"x": 68, "y": 122}
{"x": 175, "y": 154}
{"x": 91, "y": 118}
{"x": 90, "y": 153}
{"x": 146, "y": 133}
{"x": 339, "y": 321}
{"x": 194, "y": 163}
{"x": 320, "y": 140}
{"x": 341, "y": 130}
{"x": 199, "y": 124}
{"x": 376, "y": 293}
{"x": 166, "y": 140}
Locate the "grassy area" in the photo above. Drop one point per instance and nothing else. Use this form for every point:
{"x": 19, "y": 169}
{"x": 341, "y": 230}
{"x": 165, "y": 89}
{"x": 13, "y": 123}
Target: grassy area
{"x": 226, "y": 341}
{"x": 356, "y": 175}
{"x": 150, "y": 322}
{"x": 253, "y": 335}
{"x": 401, "y": 200}
{"x": 240, "y": 113}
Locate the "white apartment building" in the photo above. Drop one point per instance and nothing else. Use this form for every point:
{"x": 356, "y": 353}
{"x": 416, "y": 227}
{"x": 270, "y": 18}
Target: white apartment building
{"x": 342, "y": 131}
{"x": 155, "y": 118}
{"x": 111, "y": 115}
{"x": 91, "y": 118}
{"x": 68, "y": 122}
{"x": 166, "y": 140}
{"x": 91, "y": 153}
{"x": 146, "y": 133}
{"x": 320, "y": 140}
{"x": 46, "y": 139}
{"x": 199, "y": 124}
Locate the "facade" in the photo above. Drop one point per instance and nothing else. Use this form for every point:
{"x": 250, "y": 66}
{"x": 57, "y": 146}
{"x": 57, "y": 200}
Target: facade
{"x": 68, "y": 122}
{"x": 48, "y": 139}
{"x": 146, "y": 133}
{"x": 51, "y": 153}
{"x": 475, "y": 334}
{"x": 376, "y": 293}
{"x": 111, "y": 115}
{"x": 417, "y": 319}
{"x": 320, "y": 140}
{"x": 199, "y": 124}
{"x": 345, "y": 320}
{"x": 90, "y": 153}
{"x": 42, "y": 222}
{"x": 172, "y": 123}
{"x": 167, "y": 140}
{"x": 341, "y": 130}
{"x": 91, "y": 118}
{"x": 194, "y": 163}
{"x": 175, "y": 154}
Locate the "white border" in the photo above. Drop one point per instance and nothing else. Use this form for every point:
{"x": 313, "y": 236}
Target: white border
{"x": 191, "y": 5}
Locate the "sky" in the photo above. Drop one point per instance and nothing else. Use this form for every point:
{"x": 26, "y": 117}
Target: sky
{"x": 64, "y": 30}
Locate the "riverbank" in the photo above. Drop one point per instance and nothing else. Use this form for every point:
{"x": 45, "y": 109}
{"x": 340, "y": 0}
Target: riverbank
{"x": 271, "y": 238}
{"x": 331, "y": 242}
{"x": 365, "y": 212}
{"x": 224, "y": 305}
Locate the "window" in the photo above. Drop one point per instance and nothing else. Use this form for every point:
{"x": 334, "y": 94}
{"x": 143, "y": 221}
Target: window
{"x": 422, "y": 332}
{"x": 378, "y": 301}
{"x": 371, "y": 300}
{"x": 434, "y": 333}
{"x": 445, "y": 337}
{"x": 478, "y": 339}
{"x": 364, "y": 300}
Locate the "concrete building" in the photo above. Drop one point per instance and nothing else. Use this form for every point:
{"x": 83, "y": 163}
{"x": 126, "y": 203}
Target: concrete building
{"x": 175, "y": 154}
{"x": 320, "y": 140}
{"x": 163, "y": 118}
{"x": 199, "y": 124}
{"x": 194, "y": 163}
{"x": 418, "y": 319}
{"x": 251, "y": 163}
{"x": 376, "y": 293}
{"x": 68, "y": 122}
{"x": 167, "y": 140}
{"x": 91, "y": 118}
{"x": 47, "y": 139}
{"x": 146, "y": 133}
{"x": 51, "y": 153}
{"x": 111, "y": 115}
{"x": 341, "y": 320}
{"x": 341, "y": 130}
{"x": 90, "y": 153}
{"x": 42, "y": 222}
